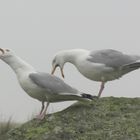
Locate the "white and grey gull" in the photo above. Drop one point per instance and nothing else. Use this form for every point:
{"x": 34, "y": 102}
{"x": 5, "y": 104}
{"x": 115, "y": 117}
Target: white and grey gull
{"x": 101, "y": 65}
{"x": 41, "y": 86}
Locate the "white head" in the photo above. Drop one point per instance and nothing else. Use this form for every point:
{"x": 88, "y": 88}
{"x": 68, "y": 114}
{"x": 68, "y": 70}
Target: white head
{"x": 5, "y": 53}
{"x": 66, "y": 56}
{"x": 15, "y": 62}
{"x": 58, "y": 61}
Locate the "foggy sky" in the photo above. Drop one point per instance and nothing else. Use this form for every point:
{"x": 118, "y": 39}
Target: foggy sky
{"x": 36, "y": 29}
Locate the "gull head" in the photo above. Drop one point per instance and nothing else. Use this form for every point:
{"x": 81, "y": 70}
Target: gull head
{"x": 4, "y": 53}
{"x": 58, "y": 61}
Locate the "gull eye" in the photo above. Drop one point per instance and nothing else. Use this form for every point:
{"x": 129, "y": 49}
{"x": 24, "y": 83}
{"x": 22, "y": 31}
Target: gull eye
{"x": 7, "y": 50}
{"x": 54, "y": 61}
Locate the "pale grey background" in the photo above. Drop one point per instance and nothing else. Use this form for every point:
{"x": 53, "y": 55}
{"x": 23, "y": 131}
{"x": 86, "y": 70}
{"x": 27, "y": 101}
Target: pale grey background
{"x": 36, "y": 29}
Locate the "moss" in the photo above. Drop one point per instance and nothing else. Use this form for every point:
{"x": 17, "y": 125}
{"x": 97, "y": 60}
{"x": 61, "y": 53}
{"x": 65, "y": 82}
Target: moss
{"x": 104, "y": 119}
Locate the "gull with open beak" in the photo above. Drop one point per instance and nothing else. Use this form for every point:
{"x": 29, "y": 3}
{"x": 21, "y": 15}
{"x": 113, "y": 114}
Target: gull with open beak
{"x": 101, "y": 65}
{"x": 61, "y": 70}
{"x": 39, "y": 85}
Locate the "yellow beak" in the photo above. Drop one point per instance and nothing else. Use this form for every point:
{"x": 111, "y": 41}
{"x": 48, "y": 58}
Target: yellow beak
{"x": 53, "y": 70}
{"x": 2, "y": 50}
{"x": 62, "y": 73}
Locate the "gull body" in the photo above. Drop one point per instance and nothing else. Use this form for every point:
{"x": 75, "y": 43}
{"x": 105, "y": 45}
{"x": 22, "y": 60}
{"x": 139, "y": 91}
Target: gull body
{"x": 41, "y": 86}
{"x": 101, "y": 65}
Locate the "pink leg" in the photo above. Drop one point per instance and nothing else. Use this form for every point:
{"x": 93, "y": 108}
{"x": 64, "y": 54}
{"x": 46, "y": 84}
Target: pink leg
{"x": 42, "y": 108}
{"x": 42, "y": 115}
{"x": 101, "y": 89}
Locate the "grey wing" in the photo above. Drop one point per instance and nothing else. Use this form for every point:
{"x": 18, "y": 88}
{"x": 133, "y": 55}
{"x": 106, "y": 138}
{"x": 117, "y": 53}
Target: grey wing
{"x": 51, "y": 83}
{"x": 111, "y": 58}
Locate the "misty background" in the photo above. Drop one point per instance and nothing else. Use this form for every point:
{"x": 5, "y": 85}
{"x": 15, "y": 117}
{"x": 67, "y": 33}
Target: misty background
{"x": 36, "y": 29}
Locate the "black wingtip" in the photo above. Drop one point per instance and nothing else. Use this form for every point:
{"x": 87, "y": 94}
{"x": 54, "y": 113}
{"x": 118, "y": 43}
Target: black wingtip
{"x": 88, "y": 96}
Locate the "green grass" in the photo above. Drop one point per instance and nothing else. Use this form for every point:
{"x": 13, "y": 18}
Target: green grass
{"x": 6, "y": 126}
{"x": 104, "y": 119}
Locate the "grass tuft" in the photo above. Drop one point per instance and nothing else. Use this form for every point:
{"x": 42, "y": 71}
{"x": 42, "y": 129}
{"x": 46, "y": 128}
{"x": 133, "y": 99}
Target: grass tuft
{"x": 6, "y": 126}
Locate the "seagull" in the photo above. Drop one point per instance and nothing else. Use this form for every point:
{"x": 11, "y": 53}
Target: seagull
{"x": 39, "y": 85}
{"x": 100, "y": 65}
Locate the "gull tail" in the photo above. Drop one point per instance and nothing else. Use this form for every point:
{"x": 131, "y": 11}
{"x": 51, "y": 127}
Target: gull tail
{"x": 130, "y": 67}
{"x": 135, "y": 65}
{"x": 88, "y": 96}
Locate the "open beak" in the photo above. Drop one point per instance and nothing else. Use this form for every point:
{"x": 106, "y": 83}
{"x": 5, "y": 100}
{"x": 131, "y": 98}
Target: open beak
{"x": 61, "y": 69}
{"x": 2, "y": 50}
